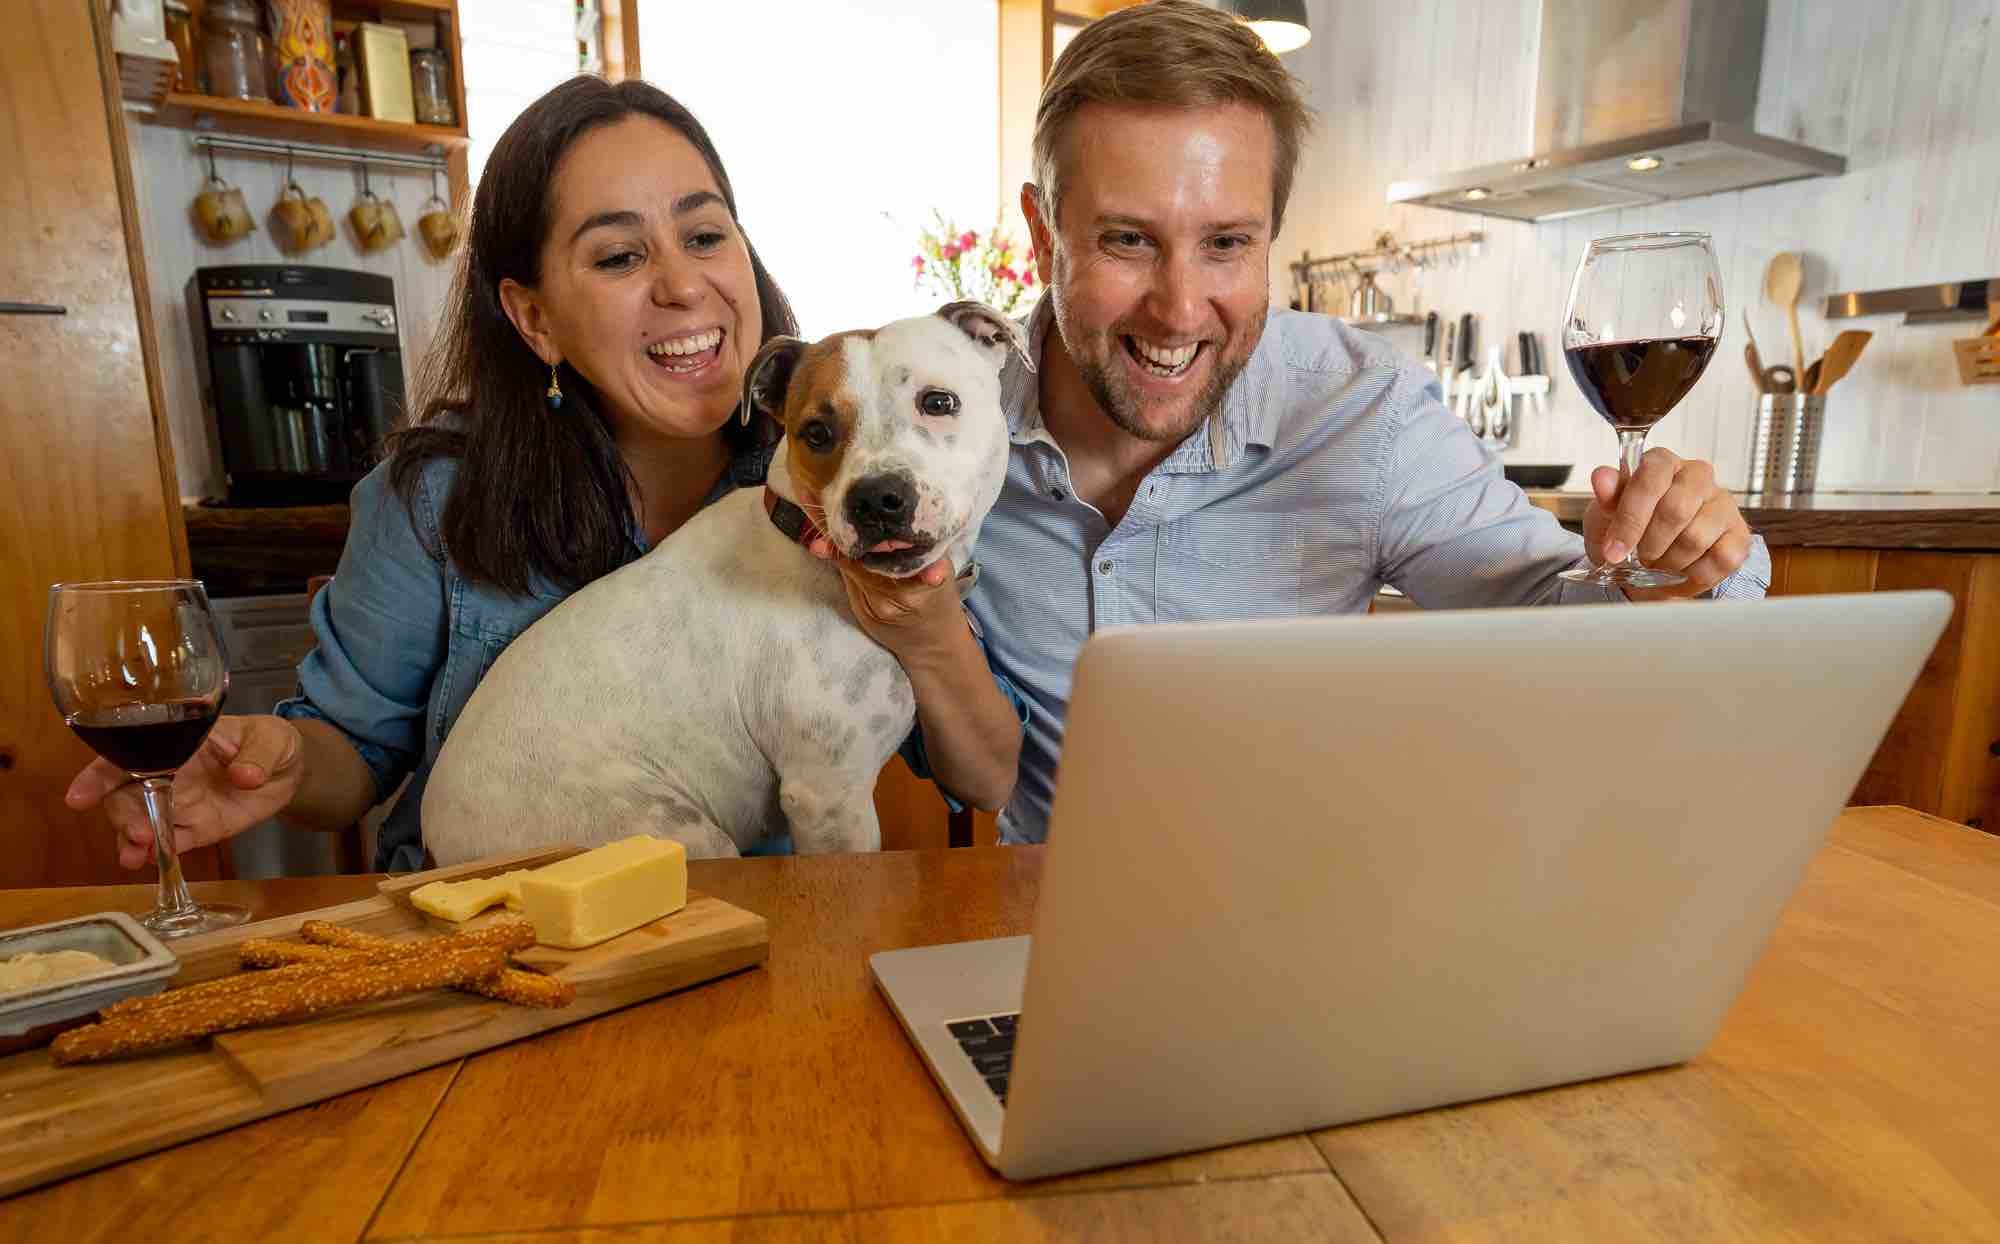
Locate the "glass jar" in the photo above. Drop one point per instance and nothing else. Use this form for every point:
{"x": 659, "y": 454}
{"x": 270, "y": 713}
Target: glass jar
{"x": 180, "y": 33}
{"x": 233, "y": 50}
{"x": 430, "y": 87}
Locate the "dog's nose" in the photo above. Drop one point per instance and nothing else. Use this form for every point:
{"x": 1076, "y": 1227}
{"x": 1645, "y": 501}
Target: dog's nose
{"x": 881, "y": 503}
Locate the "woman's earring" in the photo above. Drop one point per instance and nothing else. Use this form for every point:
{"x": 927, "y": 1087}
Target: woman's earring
{"x": 554, "y": 394}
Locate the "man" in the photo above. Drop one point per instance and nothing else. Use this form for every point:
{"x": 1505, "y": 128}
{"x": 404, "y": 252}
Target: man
{"x": 1183, "y": 452}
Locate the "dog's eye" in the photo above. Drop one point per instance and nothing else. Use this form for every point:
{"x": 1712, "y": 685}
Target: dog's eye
{"x": 817, "y": 436}
{"x": 938, "y": 402}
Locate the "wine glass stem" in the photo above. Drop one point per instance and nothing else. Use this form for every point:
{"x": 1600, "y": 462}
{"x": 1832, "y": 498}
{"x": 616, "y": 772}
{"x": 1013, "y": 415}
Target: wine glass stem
{"x": 159, "y": 795}
{"x": 1631, "y": 449}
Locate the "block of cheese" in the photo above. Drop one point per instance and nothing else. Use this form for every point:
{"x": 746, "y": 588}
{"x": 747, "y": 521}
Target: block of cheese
{"x": 599, "y": 894}
{"x": 462, "y": 900}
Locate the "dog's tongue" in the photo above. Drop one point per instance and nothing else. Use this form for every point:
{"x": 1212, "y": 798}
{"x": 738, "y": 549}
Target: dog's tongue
{"x": 891, "y": 546}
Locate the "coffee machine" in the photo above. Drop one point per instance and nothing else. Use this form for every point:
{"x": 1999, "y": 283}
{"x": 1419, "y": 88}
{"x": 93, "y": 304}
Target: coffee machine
{"x": 301, "y": 372}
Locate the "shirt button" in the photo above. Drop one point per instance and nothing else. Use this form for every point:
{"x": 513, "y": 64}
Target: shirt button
{"x": 1104, "y": 567}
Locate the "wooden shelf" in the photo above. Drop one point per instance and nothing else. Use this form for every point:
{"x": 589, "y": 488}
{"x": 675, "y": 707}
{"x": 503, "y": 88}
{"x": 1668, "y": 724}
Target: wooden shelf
{"x": 1089, "y": 10}
{"x": 275, "y": 121}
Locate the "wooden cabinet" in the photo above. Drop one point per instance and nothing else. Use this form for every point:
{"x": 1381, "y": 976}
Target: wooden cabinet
{"x": 1942, "y": 754}
{"x": 86, "y": 471}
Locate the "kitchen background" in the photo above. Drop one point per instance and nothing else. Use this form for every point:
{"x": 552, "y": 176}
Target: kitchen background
{"x": 834, "y": 213}
{"x": 1411, "y": 88}
{"x": 1403, "y": 88}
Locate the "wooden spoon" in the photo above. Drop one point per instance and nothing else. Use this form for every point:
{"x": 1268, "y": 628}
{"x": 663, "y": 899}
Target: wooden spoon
{"x": 1783, "y": 279}
{"x": 1840, "y": 358}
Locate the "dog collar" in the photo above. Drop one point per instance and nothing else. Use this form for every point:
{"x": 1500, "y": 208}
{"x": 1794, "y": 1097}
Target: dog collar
{"x": 790, "y": 519}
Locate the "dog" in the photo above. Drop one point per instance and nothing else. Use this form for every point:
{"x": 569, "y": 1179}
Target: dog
{"x": 717, "y": 690}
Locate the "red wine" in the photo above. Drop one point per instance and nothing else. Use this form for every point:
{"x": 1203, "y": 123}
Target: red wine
{"x": 1633, "y": 384}
{"x": 147, "y": 739}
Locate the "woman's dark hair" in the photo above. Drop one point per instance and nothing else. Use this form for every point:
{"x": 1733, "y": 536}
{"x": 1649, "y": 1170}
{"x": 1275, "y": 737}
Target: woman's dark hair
{"x": 539, "y": 492}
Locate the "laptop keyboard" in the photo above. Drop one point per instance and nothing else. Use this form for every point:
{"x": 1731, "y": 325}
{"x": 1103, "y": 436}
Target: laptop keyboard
{"x": 989, "y": 1043}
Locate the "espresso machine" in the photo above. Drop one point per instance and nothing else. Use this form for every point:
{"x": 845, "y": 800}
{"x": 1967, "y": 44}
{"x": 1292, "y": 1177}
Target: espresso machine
{"x": 302, "y": 374}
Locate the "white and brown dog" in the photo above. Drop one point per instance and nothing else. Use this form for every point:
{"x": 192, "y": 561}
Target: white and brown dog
{"x": 717, "y": 690}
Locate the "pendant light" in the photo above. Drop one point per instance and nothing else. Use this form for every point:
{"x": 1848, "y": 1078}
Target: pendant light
{"x": 1281, "y": 24}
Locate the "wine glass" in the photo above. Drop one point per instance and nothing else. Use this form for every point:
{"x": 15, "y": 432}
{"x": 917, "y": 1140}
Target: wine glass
{"x": 1644, "y": 316}
{"x": 137, "y": 670}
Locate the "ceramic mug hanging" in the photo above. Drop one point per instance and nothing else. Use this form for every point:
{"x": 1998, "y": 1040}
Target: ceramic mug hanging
{"x": 219, "y": 209}
{"x": 437, "y": 224}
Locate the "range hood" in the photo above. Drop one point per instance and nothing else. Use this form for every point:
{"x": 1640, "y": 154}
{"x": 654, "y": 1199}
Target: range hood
{"x": 1636, "y": 102}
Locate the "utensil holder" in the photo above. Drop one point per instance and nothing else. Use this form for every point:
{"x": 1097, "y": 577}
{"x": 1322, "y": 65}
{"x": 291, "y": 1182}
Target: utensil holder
{"x": 1978, "y": 359}
{"x": 1784, "y": 442}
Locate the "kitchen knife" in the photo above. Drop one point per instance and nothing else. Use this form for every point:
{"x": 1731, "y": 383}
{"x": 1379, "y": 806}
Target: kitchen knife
{"x": 1465, "y": 345}
{"x": 1445, "y": 374}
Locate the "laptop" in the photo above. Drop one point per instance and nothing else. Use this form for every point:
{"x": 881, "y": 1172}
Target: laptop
{"x": 1312, "y": 871}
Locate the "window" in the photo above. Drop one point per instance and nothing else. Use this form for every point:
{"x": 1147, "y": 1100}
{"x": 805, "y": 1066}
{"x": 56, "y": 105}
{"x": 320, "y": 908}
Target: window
{"x": 514, "y": 52}
{"x": 843, "y": 124}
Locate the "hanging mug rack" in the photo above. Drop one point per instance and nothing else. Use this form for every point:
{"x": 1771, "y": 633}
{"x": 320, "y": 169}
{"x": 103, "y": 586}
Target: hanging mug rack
{"x": 211, "y": 143}
{"x": 1345, "y": 286}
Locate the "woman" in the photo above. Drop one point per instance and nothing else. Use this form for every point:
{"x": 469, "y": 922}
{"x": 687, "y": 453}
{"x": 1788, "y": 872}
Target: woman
{"x": 580, "y": 409}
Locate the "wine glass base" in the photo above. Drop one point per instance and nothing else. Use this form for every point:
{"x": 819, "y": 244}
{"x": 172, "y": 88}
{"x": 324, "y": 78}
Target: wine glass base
{"x": 1624, "y": 574}
{"x": 202, "y": 918}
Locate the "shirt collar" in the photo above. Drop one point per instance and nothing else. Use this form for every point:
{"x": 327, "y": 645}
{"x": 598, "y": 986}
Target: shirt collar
{"x": 1248, "y": 415}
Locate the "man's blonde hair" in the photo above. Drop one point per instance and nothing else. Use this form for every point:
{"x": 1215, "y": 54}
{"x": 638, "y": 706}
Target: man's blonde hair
{"x": 1172, "y": 54}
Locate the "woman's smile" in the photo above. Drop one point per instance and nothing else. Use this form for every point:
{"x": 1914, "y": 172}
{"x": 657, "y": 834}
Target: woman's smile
{"x": 689, "y": 354}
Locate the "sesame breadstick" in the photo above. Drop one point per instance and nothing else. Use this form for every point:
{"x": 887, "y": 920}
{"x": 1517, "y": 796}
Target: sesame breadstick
{"x": 507, "y": 936}
{"x": 282, "y": 1003}
{"x": 522, "y": 988}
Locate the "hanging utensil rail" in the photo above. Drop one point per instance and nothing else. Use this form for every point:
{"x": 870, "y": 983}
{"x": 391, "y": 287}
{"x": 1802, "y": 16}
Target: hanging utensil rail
{"x": 212, "y": 143}
{"x": 1388, "y": 252}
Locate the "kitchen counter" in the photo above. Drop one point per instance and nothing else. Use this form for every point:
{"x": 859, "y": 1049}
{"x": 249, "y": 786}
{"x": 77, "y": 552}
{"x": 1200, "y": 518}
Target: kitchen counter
{"x": 1966, "y": 522}
{"x": 263, "y": 550}
{"x": 257, "y": 551}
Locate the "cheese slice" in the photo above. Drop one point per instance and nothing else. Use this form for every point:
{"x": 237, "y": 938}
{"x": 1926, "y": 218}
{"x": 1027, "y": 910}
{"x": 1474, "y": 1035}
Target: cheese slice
{"x": 462, "y": 900}
{"x": 599, "y": 894}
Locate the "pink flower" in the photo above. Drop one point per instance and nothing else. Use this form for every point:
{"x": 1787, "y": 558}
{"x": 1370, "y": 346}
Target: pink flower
{"x": 917, "y": 262}
{"x": 967, "y": 240}
{"x": 950, "y": 250}
{"x": 1028, "y": 277}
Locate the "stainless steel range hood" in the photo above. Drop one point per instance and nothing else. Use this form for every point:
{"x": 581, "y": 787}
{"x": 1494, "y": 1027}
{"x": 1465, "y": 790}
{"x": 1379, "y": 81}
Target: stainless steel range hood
{"x": 1636, "y": 102}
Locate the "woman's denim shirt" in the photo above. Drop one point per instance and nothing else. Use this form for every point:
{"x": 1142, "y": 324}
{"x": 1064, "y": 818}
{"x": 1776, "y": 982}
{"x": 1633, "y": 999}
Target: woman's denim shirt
{"x": 402, "y": 637}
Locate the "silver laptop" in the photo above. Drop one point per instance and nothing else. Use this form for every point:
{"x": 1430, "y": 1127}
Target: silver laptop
{"x": 1306, "y": 872}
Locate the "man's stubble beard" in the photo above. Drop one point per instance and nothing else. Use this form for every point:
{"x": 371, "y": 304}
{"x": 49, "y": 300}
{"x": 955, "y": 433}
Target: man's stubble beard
{"x": 1116, "y": 399}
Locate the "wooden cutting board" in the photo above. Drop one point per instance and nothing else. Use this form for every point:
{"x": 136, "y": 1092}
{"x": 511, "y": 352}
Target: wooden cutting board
{"x": 58, "y": 1121}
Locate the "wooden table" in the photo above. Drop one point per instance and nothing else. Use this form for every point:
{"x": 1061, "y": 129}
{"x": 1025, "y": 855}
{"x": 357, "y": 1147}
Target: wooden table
{"x": 1853, "y": 1094}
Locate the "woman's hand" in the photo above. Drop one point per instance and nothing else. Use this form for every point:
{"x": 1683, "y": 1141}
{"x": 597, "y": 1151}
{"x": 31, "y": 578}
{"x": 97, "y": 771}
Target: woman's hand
{"x": 247, "y": 770}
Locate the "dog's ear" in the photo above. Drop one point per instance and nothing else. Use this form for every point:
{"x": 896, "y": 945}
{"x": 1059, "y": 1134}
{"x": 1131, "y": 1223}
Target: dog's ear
{"x": 995, "y": 334}
{"x": 768, "y": 376}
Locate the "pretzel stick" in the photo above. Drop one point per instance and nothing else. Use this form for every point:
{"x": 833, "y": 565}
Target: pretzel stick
{"x": 506, "y": 936}
{"x": 513, "y": 985}
{"x": 288, "y": 1001}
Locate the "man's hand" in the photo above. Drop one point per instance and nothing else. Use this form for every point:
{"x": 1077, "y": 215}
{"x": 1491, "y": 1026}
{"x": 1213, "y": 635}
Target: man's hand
{"x": 918, "y": 619}
{"x": 914, "y": 618}
{"x": 1675, "y": 514}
